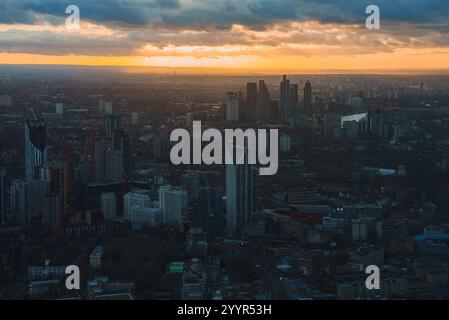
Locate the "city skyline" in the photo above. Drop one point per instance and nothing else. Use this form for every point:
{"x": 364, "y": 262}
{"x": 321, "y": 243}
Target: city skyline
{"x": 225, "y": 151}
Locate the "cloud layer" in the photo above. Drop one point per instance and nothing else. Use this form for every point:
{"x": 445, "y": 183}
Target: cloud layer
{"x": 154, "y": 30}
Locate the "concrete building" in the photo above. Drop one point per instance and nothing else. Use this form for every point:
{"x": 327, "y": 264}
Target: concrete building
{"x": 109, "y": 205}
{"x": 139, "y": 209}
{"x": 173, "y": 205}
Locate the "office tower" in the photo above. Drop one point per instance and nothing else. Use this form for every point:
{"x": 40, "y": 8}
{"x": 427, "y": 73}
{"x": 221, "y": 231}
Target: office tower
{"x": 111, "y": 123}
{"x": 121, "y": 141}
{"x": 52, "y": 210}
{"x": 101, "y": 148}
{"x": 251, "y": 101}
{"x": 263, "y": 102}
{"x": 35, "y": 147}
{"x": 18, "y": 201}
{"x": 59, "y": 108}
{"x": 191, "y": 183}
{"x": 163, "y": 191}
{"x": 377, "y": 122}
{"x": 36, "y": 191}
{"x": 285, "y": 98}
{"x": 210, "y": 209}
{"x": 232, "y": 106}
{"x": 239, "y": 195}
{"x": 55, "y": 175}
{"x": 108, "y": 107}
{"x": 289, "y": 103}
{"x": 2, "y": 196}
{"x": 109, "y": 205}
{"x": 138, "y": 208}
{"x": 173, "y": 205}
{"x": 114, "y": 165}
{"x": 294, "y": 98}
{"x": 27, "y": 198}
{"x": 308, "y": 99}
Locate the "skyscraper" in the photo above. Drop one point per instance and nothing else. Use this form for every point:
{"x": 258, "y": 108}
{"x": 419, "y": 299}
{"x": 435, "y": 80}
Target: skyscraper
{"x": 251, "y": 101}
{"x": 308, "y": 99}
{"x": 101, "y": 148}
{"x": 239, "y": 195}
{"x": 121, "y": 141}
{"x": 289, "y": 100}
{"x": 54, "y": 175}
{"x": 232, "y": 106}
{"x": 35, "y": 147}
{"x": 285, "y": 98}
{"x": 18, "y": 201}
{"x": 27, "y": 199}
{"x": 114, "y": 165}
{"x": 108, "y": 107}
{"x": 263, "y": 102}
{"x": 52, "y": 210}
{"x": 112, "y": 122}
{"x": 59, "y": 108}
{"x": 2, "y": 196}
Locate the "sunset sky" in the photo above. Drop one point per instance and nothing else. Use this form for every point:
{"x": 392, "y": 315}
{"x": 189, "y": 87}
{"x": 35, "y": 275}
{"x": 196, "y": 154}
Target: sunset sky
{"x": 229, "y": 35}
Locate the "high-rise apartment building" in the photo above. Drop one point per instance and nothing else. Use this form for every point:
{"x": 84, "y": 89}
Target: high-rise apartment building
{"x": 308, "y": 99}
{"x": 35, "y": 147}
{"x": 173, "y": 205}
{"x": 239, "y": 195}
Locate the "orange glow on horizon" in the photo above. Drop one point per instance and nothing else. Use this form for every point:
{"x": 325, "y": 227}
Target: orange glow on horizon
{"x": 289, "y": 47}
{"x": 399, "y": 61}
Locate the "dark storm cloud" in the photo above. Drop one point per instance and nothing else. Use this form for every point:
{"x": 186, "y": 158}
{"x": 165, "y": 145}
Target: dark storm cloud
{"x": 135, "y": 24}
{"x": 224, "y": 13}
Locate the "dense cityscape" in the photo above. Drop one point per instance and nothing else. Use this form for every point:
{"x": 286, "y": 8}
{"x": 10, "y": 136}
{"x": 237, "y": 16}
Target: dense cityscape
{"x": 86, "y": 180}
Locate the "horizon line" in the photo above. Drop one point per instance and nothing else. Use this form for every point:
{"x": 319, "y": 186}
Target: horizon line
{"x": 237, "y": 71}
